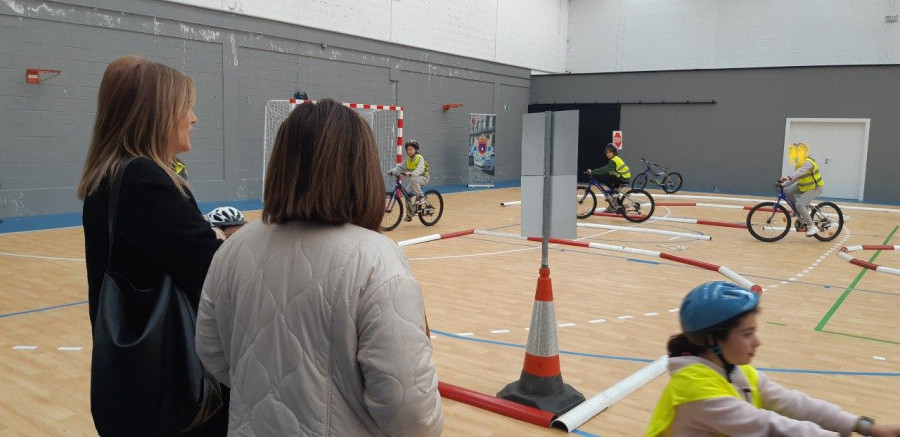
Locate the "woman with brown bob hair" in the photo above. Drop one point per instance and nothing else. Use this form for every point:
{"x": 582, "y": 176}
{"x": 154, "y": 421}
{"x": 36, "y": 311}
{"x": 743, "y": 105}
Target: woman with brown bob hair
{"x": 311, "y": 316}
{"x": 145, "y": 114}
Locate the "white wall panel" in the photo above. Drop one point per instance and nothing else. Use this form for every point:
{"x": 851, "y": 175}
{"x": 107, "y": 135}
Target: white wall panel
{"x": 463, "y": 27}
{"x": 527, "y": 33}
{"x": 366, "y": 18}
{"x": 533, "y": 33}
{"x": 639, "y": 35}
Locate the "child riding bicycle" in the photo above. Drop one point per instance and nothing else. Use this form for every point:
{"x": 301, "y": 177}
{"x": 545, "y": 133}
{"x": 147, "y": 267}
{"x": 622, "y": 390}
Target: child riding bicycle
{"x": 416, "y": 169}
{"x": 803, "y": 185}
{"x": 614, "y": 174}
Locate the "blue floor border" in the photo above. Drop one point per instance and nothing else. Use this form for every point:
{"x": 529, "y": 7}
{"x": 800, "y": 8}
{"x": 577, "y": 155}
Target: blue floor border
{"x": 56, "y": 221}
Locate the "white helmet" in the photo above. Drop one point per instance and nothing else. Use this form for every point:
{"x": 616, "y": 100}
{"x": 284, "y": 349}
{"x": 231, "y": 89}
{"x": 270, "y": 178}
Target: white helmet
{"x": 225, "y": 216}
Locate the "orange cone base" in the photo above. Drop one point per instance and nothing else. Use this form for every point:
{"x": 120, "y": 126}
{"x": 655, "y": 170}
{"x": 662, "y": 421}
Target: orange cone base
{"x": 544, "y": 393}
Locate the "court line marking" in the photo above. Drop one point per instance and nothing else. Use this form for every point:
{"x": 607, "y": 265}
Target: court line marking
{"x": 650, "y": 360}
{"x": 51, "y": 258}
{"x": 25, "y": 348}
{"x": 70, "y": 348}
{"x": 38, "y": 310}
{"x": 821, "y": 325}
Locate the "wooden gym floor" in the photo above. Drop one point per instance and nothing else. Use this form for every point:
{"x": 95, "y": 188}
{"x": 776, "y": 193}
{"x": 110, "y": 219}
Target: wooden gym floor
{"x": 828, "y": 327}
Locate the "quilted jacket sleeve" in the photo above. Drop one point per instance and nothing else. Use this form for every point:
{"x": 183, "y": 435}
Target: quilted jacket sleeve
{"x": 210, "y": 343}
{"x": 400, "y": 385}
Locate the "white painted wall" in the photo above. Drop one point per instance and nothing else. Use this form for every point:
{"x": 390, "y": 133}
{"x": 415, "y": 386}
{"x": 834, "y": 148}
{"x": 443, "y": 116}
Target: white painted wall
{"x": 640, "y": 35}
{"x": 526, "y": 33}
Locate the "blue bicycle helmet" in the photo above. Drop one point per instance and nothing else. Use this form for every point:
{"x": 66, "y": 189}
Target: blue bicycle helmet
{"x": 712, "y": 303}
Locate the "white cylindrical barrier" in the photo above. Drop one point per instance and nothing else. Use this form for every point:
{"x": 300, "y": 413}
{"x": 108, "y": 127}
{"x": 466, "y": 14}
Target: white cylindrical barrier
{"x": 511, "y": 203}
{"x": 624, "y": 249}
{"x": 738, "y": 279}
{"x": 744, "y": 200}
{"x": 719, "y": 205}
{"x": 843, "y": 254}
{"x": 418, "y": 240}
{"x": 646, "y": 231}
{"x": 593, "y": 406}
{"x": 434, "y": 237}
{"x": 649, "y": 253}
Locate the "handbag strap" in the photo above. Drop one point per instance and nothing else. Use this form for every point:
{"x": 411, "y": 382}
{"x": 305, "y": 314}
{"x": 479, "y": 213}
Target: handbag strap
{"x": 114, "y": 188}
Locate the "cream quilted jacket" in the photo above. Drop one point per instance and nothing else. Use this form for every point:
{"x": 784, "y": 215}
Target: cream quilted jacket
{"x": 319, "y": 331}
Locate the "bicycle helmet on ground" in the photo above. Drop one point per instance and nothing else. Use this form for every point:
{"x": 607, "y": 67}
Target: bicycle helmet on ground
{"x": 710, "y": 304}
{"x": 225, "y": 216}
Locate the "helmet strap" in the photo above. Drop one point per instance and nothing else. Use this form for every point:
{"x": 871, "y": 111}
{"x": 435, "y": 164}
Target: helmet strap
{"x": 716, "y": 349}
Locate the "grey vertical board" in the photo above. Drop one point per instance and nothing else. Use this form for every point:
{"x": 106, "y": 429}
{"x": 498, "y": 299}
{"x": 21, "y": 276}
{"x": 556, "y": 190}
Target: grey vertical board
{"x": 736, "y": 144}
{"x": 562, "y": 210}
{"x": 533, "y": 144}
{"x": 562, "y": 179}
{"x": 238, "y": 63}
{"x": 565, "y": 143}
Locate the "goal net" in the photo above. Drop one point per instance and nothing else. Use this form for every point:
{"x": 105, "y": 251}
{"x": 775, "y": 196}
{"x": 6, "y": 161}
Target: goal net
{"x": 386, "y": 123}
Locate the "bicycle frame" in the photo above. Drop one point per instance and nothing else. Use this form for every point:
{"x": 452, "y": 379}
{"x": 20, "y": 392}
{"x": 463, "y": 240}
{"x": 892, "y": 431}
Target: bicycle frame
{"x": 607, "y": 192}
{"x": 398, "y": 191}
{"x": 657, "y": 177}
{"x": 782, "y": 196}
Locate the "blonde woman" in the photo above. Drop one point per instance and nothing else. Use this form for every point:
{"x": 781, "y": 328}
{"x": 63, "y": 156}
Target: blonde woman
{"x": 311, "y": 316}
{"x": 145, "y": 112}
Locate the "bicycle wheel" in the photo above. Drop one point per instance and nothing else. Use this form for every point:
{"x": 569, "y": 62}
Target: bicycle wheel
{"x": 768, "y": 222}
{"x": 587, "y": 202}
{"x": 672, "y": 182}
{"x": 829, "y": 219}
{"x": 433, "y": 209}
{"x": 393, "y": 212}
{"x": 639, "y": 182}
{"x": 637, "y": 206}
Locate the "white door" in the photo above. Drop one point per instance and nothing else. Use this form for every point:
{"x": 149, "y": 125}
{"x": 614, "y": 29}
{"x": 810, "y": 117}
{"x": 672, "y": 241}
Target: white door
{"x": 839, "y": 146}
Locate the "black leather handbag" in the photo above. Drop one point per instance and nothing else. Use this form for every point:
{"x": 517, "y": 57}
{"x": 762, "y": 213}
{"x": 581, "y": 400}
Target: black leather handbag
{"x": 146, "y": 377}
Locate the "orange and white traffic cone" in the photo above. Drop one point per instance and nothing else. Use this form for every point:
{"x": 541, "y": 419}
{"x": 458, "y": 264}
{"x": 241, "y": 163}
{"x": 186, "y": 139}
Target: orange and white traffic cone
{"x": 540, "y": 384}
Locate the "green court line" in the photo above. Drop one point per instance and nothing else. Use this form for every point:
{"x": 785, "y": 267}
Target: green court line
{"x": 820, "y": 327}
{"x": 860, "y": 337}
{"x": 776, "y": 323}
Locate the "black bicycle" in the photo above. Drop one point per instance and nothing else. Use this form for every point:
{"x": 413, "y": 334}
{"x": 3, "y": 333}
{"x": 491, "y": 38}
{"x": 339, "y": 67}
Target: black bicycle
{"x": 635, "y": 205}
{"x": 670, "y": 182}
{"x": 429, "y": 210}
{"x": 771, "y": 221}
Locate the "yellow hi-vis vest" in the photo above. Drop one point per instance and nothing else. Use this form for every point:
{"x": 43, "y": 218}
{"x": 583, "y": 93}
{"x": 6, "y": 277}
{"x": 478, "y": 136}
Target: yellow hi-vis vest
{"x": 622, "y": 170}
{"x": 812, "y": 179}
{"x": 413, "y": 163}
{"x": 697, "y": 382}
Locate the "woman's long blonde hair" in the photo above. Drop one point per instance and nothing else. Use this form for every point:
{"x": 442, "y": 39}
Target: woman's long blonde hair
{"x": 138, "y": 108}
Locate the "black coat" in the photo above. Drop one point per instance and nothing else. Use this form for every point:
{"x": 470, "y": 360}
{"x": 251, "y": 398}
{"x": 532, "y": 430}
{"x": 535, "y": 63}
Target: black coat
{"x": 157, "y": 230}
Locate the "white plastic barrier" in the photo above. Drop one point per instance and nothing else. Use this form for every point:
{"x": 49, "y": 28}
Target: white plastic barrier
{"x": 603, "y": 400}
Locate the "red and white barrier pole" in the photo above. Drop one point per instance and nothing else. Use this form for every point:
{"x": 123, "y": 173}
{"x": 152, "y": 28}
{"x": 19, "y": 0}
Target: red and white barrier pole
{"x": 725, "y": 271}
{"x": 496, "y": 405}
{"x": 646, "y": 231}
{"x": 682, "y": 220}
{"x": 845, "y": 255}
{"x": 434, "y": 237}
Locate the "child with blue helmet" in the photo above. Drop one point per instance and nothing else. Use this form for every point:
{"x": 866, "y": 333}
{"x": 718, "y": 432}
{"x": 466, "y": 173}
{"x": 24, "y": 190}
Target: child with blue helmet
{"x": 715, "y": 391}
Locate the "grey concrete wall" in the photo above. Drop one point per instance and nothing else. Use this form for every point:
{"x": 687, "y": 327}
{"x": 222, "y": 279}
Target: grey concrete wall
{"x": 736, "y": 145}
{"x": 238, "y": 64}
